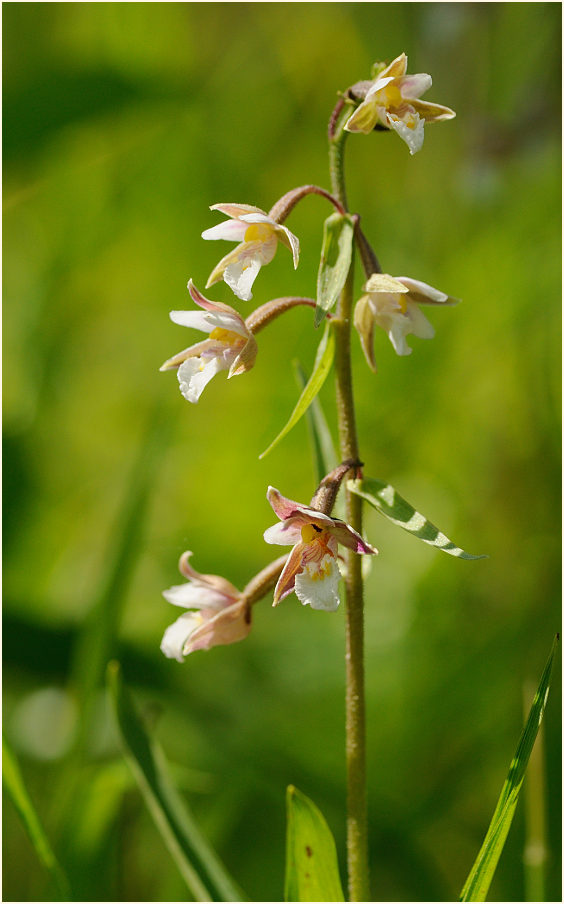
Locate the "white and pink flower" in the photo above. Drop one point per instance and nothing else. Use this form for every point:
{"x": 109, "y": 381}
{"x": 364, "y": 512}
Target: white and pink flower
{"x": 312, "y": 570}
{"x": 392, "y": 303}
{"x": 258, "y": 234}
{"x": 216, "y": 614}
{"x": 230, "y": 346}
{"x": 393, "y": 101}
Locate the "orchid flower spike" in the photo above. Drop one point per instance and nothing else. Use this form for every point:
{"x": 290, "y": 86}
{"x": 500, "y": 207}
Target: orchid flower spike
{"x": 393, "y": 304}
{"x": 393, "y": 101}
{"x": 259, "y": 235}
{"x": 217, "y": 613}
{"x": 311, "y": 571}
{"x": 230, "y": 346}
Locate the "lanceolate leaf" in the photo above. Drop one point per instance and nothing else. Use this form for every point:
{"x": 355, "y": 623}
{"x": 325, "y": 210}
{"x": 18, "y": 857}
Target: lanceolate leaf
{"x": 481, "y": 874}
{"x": 312, "y": 872}
{"x": 321, "y": 367}
{"x": 336, "y": 255}
{"x": 200, "y": 867}
{"x": 324, "y": 455}
{"x": 13, "y": 782}
{"x": 386, "y": 500}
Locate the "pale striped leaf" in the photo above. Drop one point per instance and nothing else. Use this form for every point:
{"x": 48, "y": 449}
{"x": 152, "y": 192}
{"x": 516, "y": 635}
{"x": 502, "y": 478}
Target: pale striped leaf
{"x": 386, "y": 500}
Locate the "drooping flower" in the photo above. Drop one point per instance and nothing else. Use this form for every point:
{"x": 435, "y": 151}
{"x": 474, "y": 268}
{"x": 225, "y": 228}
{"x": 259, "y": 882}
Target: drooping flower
{"x": 393, "y": 304}
{"x": 217, "y": 614}
{"x": 312, "y": 570}
{"x": 258, "y": 234}
{"x": 393, "y": 101}
{"x": 230, "y": 346}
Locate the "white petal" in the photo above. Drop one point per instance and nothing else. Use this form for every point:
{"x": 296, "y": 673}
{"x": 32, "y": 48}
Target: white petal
{"x": 397, "y": 332}
{"x": 413, "y": 86}
{"x": 413, "y": 134}
{"x": 413, "y": 322}
{"x": 178, "y": 633}
{"x": 284, "y": 533}
{"x": 195, "y": 320}
{"x": 421, "y": 288}
{"x": 231, "y": 322}
{"x": 377, "y": 86}
{"x": 294, "y": 244}
{"x": 230, "y": 230}
{"x": 419, "y": 325}
{"x": 195, "y": 596}
{"x": 318, "y": 587}
{"x": 206, "y": 321}
{"x": 241, "y": 275}
{"x": 258, "y": 218}
{"x": 195, "y": 373}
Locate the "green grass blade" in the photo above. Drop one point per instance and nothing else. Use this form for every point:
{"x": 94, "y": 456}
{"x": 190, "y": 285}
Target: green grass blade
{"x": 535, "y": 852}
{"x": 321, "y": 367}
{"x": 336, "y": 256}
{"x": 312, "y": 871}
{"x": 481, "y": 874}
{"x": 200, "y": 867}
{"x": 386, "y": 500}
{"x": 324, "y": 455}
{"x": 90, "y": 823}
{"x": 13, "y": 782}
{"x": 95, "y": 643}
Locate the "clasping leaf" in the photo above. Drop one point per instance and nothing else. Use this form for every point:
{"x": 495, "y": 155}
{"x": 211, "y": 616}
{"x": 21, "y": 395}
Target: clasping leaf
{"x": 336, "y": 256}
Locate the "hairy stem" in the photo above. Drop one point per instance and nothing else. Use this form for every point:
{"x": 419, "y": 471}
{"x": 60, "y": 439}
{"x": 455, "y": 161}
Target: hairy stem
{"x": 357, "y": 821}
{"x": 287, "y": 202}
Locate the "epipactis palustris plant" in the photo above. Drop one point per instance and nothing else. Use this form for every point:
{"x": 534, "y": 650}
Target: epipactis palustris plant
{"x": 216, "y": 612}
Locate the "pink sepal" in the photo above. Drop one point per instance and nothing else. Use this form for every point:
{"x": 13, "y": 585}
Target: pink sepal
{"x": 214, "y": 581}
{"x": 237, "y": 210}
{"x": 347, "y": 536}
{"x": 215, "y": 306}
{"x": 287, "y": 579}
{"x": 228, "y": 626}
{"x": 286, "y": 508}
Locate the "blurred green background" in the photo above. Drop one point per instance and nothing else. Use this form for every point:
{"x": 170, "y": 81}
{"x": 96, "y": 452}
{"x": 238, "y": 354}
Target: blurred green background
{"x": 123, "y": 122}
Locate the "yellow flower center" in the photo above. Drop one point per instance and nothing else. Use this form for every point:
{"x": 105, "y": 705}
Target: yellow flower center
{"x": 402, "y": 303}
{"x": 310, "y": 533}
{"x": 221, "y": 335}
{"x": 393, "y": 96}
{"x": 259, "y": 232}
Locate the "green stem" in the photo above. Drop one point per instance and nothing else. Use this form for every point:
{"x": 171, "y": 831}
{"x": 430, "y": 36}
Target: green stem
{"x": 357, "y": 821}
{"x": 337, "y": 137}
